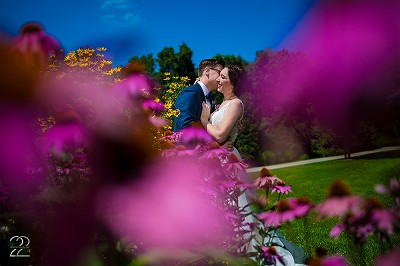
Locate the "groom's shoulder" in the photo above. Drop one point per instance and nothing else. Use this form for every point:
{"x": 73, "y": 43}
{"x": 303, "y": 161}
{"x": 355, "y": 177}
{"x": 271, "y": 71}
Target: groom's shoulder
{"x": 192, "y": 88}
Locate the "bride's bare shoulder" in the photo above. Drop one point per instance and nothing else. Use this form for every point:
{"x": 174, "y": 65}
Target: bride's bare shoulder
{"x": 237, "y": 102}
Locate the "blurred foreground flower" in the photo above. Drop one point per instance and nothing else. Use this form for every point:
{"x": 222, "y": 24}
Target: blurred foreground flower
{"x": 63, "y": 138}
{"x": 339, "y": 201}
{"x": 165, "y": 209}
{"x": 391, "y": 258}
{"x": 36, "y": 45}
{"x": 286, "y": 211}
{"x": 370, "y": 218}
{"x": 393, "y": 189}
{"x": 360, "y": 216}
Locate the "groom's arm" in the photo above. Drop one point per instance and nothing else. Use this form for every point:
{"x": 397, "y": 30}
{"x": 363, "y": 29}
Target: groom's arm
{"x": 188, "y": 105}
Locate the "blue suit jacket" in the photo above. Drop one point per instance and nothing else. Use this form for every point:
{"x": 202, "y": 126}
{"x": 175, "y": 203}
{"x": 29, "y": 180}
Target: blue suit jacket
{"x": 189, "y": 103}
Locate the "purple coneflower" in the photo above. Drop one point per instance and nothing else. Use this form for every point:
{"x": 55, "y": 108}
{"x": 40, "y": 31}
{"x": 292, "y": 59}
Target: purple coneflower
{"x": 214, "y": 150}
{"x": 339, "y": 201}
{"x": 393, "y": 189}
{"x": 191, "y": 136}
{"x": 233, "y": 162}
{"x": 64, "y": 138}
{"x": 266, "y": 179}
{"x": 153, "y": 106}
{"x": 370, "y": 218}
{"x": 391, "y": 258}
{"x": 36, "y": 44}
{"x": 286, "y": 211}
{"x": 157, "y": 121}
{"x": 280, "y": 187}
{"x": 270, "y": 256}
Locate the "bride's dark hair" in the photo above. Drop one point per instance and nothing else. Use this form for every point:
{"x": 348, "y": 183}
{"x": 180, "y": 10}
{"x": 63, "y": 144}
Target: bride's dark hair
{"x": 238, "y": 78}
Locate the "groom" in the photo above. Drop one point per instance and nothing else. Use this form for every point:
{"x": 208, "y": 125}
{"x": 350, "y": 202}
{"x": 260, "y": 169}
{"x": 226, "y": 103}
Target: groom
{"x": 190, "y": 98}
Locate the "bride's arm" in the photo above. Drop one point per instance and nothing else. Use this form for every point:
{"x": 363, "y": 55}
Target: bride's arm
{"x": 230, "y": 117}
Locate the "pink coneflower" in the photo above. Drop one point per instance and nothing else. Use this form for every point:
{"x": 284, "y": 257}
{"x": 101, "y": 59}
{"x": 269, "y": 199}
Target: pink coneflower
{"x": 135, "y": 86}
{"x": 384, "y": 220}
{"x": 165, "y": 211}
{"x": 35, "y": 44}
{"x": 265, "y": 172}
{"x": 228, "y": 184}
{"x": 64, "y": 138}
{"x": 214, "y": 169}
{"x": 369, "y": 219}
{"x": 157, "y": 121}
{"x": 269, "y": 256}
{"x": 280, "y": 187}
{"x": 393, "y": 189}
{"x": 357, "y": 225}
{"x": 286, "y": 211}
{"x": 191, "y": 136}
{"x": 214, "y": 150}
{"x": 266, "y": 179}
{"x": 391, "y": 258}
{"x": 339, "y": 201}
{"x": 338, "y": 206}
{"x": 234, "y": 163}
{"x": 242, "y": 183}
{"x": 181, "y": 152}
{"x": 168, "y": 133}
{"x": 174, "y": 137}
{"x": 166, "y": 144}
{"x": 337, "y": 230}
{"x": 301, "y": 206}
{"x": 153, "y": 106}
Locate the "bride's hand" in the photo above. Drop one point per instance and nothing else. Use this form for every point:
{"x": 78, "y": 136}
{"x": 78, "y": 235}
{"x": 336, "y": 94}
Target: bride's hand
{"x": 205, "y": 113}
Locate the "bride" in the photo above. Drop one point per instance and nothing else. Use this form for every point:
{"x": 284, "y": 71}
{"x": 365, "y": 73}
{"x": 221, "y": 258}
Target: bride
{"x": 223, "y": 124}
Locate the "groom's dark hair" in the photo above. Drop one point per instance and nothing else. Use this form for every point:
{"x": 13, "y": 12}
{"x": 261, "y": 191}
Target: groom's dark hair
{"x": 209, "y": 63}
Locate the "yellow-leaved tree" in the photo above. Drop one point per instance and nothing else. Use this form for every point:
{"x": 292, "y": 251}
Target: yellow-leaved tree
{"x": 172, "y": 86}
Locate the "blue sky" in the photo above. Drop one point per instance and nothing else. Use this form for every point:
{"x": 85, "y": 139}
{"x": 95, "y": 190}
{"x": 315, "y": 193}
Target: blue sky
{"x": 139, "y": 27}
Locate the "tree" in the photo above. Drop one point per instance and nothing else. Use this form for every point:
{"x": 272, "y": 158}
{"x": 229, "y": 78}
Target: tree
{"x": 233, "y": 60}
{"x": 166, "y": 59}
{"x": 280, "y": 89}
{"x": 247, "y": 141}
{"x": 183, "y": 64}
{"x": 177, "y": 64}
{"x": 147, "y": 61}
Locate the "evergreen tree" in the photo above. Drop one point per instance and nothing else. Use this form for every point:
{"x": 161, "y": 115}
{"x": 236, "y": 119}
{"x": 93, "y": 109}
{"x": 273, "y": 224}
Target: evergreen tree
{"x": 147, "y": 61}
{"x": 166, "y": 60}
{"x": 183, "y": 63}
{"x": 232, "y": 60}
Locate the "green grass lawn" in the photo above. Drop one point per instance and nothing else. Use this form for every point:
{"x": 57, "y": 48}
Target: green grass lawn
{"x": 313, "y": 180}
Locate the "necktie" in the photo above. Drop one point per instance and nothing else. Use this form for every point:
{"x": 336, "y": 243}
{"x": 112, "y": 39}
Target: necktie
{"x": 210, "y": 98}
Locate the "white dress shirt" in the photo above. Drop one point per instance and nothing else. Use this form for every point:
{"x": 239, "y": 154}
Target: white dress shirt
{"x": 205, "y": 91}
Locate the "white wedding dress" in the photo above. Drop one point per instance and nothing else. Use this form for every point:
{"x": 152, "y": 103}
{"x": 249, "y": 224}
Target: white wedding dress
{"x": 216, "y": 118}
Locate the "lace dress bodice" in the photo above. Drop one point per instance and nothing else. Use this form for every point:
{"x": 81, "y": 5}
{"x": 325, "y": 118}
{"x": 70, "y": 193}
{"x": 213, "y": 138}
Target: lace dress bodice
{"x": 218, "y": 115}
